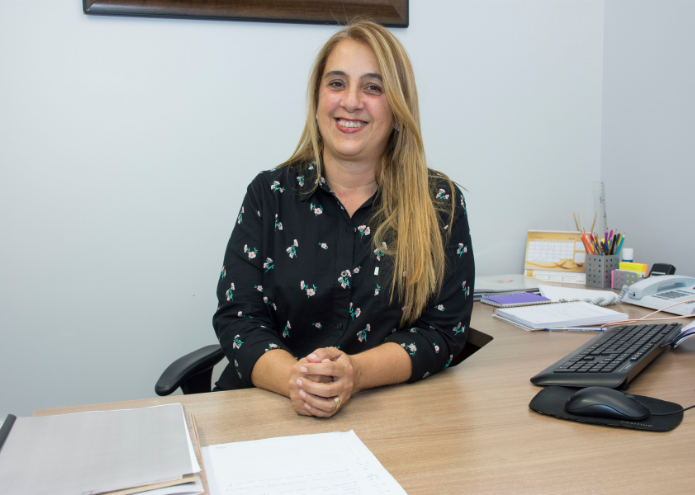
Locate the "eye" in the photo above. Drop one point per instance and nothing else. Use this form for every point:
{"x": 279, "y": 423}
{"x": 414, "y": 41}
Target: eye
{"x": 373, "y": 88}
{"x": 336, "y": 84}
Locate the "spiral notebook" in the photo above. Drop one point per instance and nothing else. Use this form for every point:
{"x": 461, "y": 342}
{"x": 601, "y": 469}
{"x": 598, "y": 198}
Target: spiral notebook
{"x": 517, "y": 299}
{"x": 558, "y": 315}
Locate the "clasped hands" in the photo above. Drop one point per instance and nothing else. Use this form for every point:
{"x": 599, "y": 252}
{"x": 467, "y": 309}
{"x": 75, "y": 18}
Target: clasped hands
{"x": 317, "y": 379}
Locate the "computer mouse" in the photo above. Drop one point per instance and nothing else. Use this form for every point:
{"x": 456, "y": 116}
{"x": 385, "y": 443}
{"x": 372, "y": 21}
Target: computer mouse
{"x": 602, "y": 402}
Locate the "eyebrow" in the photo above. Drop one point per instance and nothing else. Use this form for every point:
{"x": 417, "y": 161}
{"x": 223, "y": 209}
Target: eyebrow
{"x": 341, "y": 73}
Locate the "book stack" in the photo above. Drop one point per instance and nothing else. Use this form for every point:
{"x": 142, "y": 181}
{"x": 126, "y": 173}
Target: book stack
{"x": 500, "y": 285}
{"x": 516, "y": 299}
{"x": 559, "y": 316}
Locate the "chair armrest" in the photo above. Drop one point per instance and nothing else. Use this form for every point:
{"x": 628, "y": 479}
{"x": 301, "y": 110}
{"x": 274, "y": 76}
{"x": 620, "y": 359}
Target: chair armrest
{"x": 187, "y": 367}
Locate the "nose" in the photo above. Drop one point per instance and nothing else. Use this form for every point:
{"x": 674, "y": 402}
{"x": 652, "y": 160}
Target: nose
{"x": 352, "y": 99}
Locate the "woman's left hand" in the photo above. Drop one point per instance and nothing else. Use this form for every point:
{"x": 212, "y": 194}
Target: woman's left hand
{"x": 320, "y": 398}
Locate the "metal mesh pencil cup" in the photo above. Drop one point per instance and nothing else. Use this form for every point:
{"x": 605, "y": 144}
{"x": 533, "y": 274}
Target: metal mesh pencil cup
{"x": 599, "y": 268}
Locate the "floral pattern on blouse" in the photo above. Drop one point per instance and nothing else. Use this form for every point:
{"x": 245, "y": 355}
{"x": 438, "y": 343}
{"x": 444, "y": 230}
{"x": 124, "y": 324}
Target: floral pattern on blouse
{"x": 338, "y": 293}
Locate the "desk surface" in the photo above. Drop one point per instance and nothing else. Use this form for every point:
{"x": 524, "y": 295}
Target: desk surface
{"x": 469, "y": 428}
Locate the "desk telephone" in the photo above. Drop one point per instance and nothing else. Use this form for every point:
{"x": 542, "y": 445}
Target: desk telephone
{"x": 661, "y": 291}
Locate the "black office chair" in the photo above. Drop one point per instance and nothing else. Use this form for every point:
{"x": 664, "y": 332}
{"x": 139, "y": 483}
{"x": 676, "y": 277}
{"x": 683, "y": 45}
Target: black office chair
{"x": 193, "y": 372}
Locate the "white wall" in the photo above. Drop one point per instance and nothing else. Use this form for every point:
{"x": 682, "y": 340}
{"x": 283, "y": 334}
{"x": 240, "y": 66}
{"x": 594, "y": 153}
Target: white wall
{"x": 126, "y": 145}
{"x": 648, "y": 151}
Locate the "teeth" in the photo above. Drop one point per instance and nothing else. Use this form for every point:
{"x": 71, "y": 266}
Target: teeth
{"x": 349, "y": 123}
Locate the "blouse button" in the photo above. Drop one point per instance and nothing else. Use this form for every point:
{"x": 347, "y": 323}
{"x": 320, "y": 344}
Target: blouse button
{"x": 340, "y": 325}
{"x": 344, "y": 273}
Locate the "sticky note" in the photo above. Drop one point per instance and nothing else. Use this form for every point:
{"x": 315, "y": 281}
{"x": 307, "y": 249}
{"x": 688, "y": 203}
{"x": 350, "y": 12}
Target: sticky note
{"x": 634, "y": 267}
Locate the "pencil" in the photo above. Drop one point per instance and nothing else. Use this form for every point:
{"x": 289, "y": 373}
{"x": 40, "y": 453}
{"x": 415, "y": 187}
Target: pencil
{"x": 575, "y": 221}
{"x": 594, "y": 222}
{"x": 581, "y": 220}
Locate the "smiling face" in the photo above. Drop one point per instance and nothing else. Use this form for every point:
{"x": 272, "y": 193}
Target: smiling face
{"x": 353, "y": 115}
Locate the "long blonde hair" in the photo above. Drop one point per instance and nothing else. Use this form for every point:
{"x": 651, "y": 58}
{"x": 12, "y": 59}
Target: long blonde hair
{"x": 407, "y": 216}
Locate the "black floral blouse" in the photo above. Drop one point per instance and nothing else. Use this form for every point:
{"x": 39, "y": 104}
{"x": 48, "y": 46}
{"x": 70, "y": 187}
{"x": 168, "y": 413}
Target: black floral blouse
{"x": 300, "y": 274}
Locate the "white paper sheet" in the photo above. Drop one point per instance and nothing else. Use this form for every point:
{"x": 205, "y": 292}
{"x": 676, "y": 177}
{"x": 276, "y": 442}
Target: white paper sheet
{"x": 326, "y": 463}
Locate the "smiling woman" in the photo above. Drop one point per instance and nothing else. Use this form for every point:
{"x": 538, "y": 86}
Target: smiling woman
{"x": 353, "y": 113}
{"x": 356, "y": 279}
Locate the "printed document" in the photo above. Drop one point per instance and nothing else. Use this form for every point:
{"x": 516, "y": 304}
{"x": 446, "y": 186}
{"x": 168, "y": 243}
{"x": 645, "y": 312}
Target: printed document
{"x": 326, "y": 463}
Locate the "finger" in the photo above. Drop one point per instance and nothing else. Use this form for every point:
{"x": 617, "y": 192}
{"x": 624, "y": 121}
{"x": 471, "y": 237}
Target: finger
{"x": 330, "y": 389}
{"x": 312, "y": 358}
{"x": 319, "y": 378}
{"x": 330, "y": 353}
{"x": 318, "y": 412}
{"x": 326, "y": 368}
{"x": 328, "y": 405}
{"x": 303, "y": 412}
{"x": 297, "y": 405}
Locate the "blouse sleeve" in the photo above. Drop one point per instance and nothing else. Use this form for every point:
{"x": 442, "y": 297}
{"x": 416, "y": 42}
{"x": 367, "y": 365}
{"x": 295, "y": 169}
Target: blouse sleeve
{"x": 441, "y": 331}
{"x": 242, "y": 321}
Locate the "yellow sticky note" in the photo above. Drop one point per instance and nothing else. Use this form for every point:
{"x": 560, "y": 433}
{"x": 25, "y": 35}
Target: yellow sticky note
{"x": 634, "y": 267}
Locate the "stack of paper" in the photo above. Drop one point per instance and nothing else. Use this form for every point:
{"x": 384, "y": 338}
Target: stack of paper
{"x": 503, "y": 284}
{"x": 127, "y": 451}
{"x": 321, "y": 464}
{"x": 554, "y": 316}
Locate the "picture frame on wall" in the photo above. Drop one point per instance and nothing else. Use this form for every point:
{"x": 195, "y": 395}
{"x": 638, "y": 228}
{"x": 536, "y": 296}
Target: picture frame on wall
{"x": 390, "y": 13}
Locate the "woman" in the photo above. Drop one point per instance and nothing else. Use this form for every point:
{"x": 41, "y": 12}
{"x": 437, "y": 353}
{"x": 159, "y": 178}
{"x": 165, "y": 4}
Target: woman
{"x": 350, "y": 266}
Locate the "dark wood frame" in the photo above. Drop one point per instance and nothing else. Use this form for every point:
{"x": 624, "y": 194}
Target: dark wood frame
{"x": 391, "y": 13}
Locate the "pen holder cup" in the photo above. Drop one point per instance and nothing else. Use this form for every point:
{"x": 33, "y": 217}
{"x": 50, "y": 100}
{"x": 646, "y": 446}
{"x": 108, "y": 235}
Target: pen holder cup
{"x": 599, "y": 268}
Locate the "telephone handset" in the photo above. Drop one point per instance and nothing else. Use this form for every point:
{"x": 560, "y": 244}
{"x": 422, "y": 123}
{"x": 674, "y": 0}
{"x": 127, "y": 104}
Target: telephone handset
{"x": 661, "y": 291}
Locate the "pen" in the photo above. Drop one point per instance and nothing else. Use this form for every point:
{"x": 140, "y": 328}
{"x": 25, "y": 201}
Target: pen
{"x": 575, "y": 329}
{"x": 620, "y": 245}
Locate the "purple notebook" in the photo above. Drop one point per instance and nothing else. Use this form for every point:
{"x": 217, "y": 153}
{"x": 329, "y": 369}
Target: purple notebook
{"x": 523, "y": 298}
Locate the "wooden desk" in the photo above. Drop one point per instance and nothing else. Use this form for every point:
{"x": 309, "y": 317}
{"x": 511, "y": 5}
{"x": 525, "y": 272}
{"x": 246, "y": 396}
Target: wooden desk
{"x": 469, "y": 428}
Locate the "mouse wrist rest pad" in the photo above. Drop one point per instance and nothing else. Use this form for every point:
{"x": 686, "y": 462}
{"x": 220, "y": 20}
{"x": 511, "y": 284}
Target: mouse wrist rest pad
{"x": 551, "y": 401}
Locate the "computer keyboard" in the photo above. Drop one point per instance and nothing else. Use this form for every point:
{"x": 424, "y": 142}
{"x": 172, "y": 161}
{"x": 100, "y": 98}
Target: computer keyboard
{"x": 611, "y": 359}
